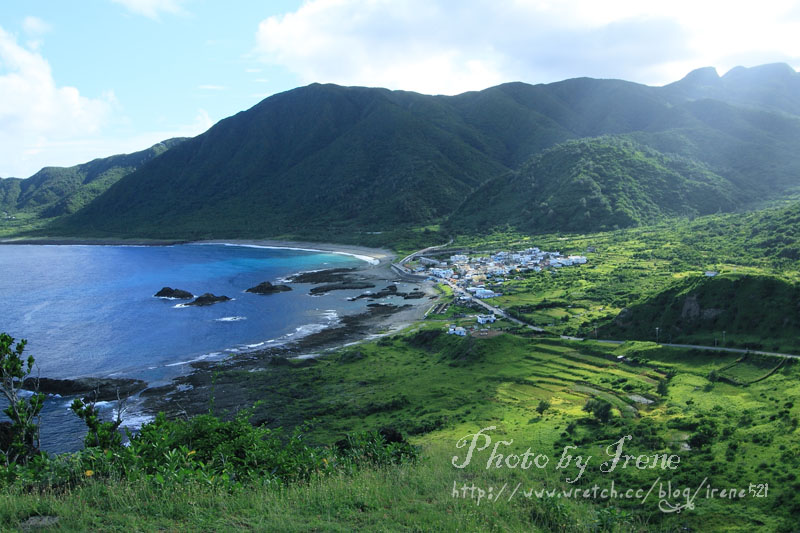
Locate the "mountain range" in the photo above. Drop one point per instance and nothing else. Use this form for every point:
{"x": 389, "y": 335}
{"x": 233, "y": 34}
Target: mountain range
{"x": 326, "y": 161}
{"x": 56, "y": 191}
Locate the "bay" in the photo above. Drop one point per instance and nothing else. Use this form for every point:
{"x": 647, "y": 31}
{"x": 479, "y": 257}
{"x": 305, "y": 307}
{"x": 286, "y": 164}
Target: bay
{"x": 91, "y": 311}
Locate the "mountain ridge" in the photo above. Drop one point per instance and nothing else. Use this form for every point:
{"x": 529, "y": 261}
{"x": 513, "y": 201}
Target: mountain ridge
{"x": 325, "y": 160}
{"x": 55, "y": 191}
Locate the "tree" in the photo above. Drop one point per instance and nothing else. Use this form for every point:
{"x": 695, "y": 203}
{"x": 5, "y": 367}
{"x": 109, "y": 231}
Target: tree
{"x": 22, "y": 440}
{"x": 101, "y": 434}
{"x": 705, "y": 434}
{"x": 543, "y": 406}
{"x": 600, "y": 408}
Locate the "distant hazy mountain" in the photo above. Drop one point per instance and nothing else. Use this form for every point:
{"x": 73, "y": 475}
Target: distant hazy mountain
{"x": 774, "y": 87}
{"x": 325, "y": 160}
{"x": 55, "y": 191}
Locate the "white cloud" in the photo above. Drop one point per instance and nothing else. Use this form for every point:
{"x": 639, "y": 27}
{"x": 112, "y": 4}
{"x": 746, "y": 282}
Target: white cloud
{"x": 152, "y": 8}
{"x": 42, "y": 124}
{"x": 425, "y": 46}
{"x": 35, "y": 26}
{"x": 35, "y": 112}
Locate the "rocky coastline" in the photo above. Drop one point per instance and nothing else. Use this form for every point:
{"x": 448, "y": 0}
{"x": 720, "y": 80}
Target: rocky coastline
{"x": 189, "y": 394}
{"x": 222, "y": 380}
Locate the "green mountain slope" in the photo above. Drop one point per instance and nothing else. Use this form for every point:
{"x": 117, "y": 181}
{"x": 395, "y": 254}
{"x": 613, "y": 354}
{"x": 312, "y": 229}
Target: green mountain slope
{"x": 594, "y": 184}
{"x": 750, "y": 309}
{"x": 318, "y": 156}
{"x": 55, "y": 191}
{"x": 327, "y": 161}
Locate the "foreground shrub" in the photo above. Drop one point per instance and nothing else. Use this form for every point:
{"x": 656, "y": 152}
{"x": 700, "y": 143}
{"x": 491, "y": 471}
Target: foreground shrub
{"x": 19, "y": 440}
{"x": 211, "y": 451}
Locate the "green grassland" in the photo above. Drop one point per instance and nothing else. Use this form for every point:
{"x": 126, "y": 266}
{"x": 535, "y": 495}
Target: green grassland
{"x": 654, "y": 268}
{"x": 440, "y": 388}
{"x": 732, "y": 418}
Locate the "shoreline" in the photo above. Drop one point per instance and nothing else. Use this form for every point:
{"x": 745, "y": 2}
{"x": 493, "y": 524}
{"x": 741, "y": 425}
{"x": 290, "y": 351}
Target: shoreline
{"x": 383, "y": 256}
{"x": 374, "y": 256}
{"x": 188, "y": 393}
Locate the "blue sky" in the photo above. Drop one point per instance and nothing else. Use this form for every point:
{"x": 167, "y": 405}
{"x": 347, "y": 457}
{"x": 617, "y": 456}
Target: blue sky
{"x": 87, "y": 79}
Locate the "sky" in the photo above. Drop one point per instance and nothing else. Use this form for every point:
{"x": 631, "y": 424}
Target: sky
{"x": 88, "y": 79}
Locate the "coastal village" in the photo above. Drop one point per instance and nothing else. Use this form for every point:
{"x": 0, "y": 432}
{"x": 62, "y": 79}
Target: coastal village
{"x": 481, "y": 276}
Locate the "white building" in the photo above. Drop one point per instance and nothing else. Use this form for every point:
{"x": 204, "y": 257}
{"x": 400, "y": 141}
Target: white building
{"x": 485, "y": 293}
{"x": 457, "y": 330}
{"x": 486, "y": 319}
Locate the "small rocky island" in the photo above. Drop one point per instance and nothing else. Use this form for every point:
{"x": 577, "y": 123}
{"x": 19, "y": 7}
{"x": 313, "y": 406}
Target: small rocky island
{"x": 268, "y": 288}
{"x": 391, "y": 290}
{"x": 91, "y": 389}
{"x": 208, "y": 299}
{"x": 175, "y": 294}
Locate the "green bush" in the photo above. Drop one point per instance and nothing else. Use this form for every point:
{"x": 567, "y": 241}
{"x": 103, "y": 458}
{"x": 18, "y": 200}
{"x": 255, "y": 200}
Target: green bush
{"x": 19, "y": 440}
{"x": 209, "y": 450}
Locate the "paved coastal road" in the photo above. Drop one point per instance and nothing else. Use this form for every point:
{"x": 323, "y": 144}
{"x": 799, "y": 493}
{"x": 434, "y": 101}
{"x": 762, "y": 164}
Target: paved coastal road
{"x": 423, "y": 251}
{"x": 713, "y": 348}
{"x": 496, "y": 310}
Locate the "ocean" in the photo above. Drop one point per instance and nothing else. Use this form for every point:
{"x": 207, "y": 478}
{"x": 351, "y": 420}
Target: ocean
{"x": 91, "y": 311}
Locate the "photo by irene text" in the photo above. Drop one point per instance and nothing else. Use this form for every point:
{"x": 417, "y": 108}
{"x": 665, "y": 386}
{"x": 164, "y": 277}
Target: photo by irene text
{"x": 484, "y": 451}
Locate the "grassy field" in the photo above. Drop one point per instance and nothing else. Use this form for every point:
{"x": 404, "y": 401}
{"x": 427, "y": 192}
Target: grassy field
{"x": 635, "y": 267}
{"x": 442, "y": 389}
{"x": 730, "y": 418}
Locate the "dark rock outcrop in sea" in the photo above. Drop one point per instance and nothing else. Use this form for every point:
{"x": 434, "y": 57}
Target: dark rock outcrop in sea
{"x": 414, "y": 295}
{"x": 208, "y": 299}
{"x": 268, "y": 288}
{"x": 178, "y": 294}
{"x": 333, "y": 279}
{"x": 329, "y": 275}
{"x": 91, "y": 389}
{"x": 340, "y": 286}
{"x": 391, "y": 290}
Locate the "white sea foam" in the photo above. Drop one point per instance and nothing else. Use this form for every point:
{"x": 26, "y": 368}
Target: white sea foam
{"x": 135, "y": 421}
{"x": 230, "y": 319}
{"x": 330, "y": 318}
{"x": 196, "y": 359}
{"x": 368, "y": 259}
{"x": 306, "y": 329}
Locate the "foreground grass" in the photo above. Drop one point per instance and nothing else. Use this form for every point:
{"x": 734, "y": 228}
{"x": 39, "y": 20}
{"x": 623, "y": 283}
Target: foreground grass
{"x": 405, "y": 498}
{"x": 732, "y": 420}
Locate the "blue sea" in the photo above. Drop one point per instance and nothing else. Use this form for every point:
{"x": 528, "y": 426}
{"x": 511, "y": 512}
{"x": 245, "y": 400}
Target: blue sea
{"x": 91, "y": 311}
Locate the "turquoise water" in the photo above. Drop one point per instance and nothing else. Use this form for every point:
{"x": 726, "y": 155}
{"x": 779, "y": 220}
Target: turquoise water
{"x": 90, "y": 310}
